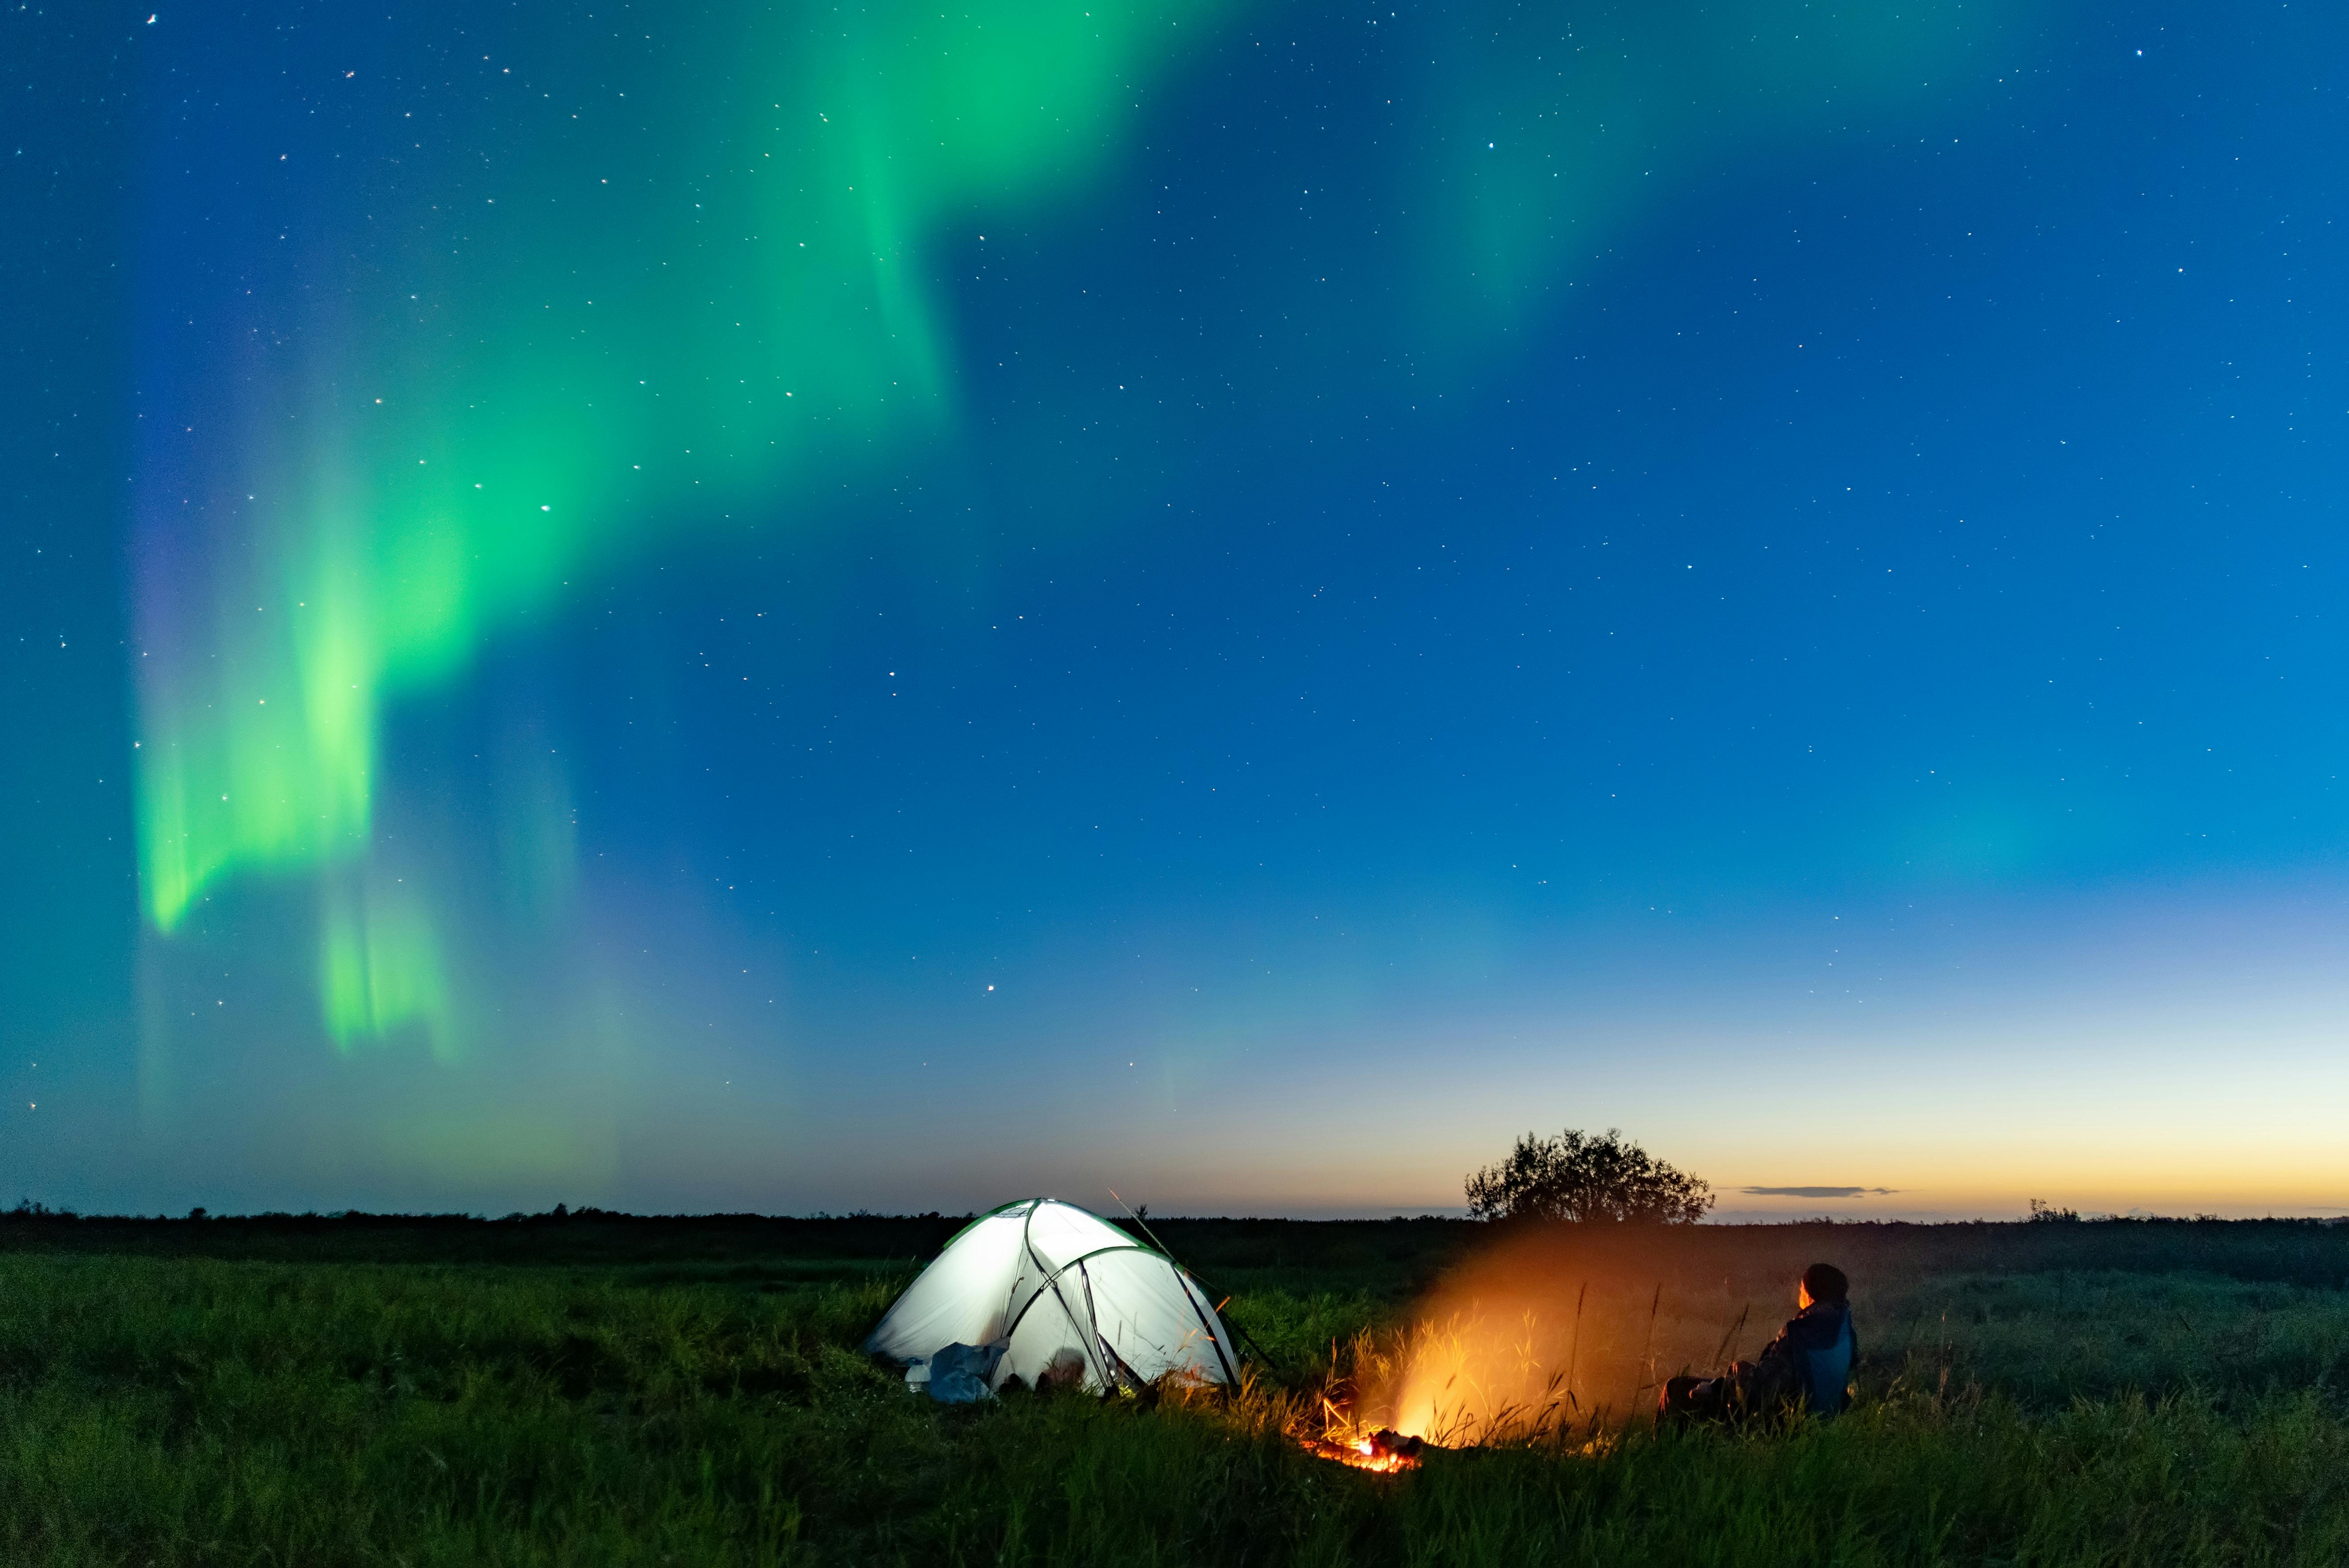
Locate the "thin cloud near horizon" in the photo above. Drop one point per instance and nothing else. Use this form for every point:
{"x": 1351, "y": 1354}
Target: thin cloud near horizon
{"x": 1818, "y": 1191}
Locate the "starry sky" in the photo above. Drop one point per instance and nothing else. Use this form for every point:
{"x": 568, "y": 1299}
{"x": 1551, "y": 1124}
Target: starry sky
{"x": 807, "y": 607}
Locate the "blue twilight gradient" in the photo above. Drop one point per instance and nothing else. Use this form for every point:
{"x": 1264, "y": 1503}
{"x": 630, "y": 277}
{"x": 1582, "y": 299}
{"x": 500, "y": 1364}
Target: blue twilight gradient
{"x": 1842, "y": 679}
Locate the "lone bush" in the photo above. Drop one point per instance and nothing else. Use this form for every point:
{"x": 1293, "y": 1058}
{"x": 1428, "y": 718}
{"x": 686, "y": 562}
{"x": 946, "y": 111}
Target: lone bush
{"x": 1589, "y": 1179}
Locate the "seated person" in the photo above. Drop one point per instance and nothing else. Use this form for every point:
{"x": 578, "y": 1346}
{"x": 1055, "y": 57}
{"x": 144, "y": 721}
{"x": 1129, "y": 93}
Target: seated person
{"x": 1806, "y": 1367}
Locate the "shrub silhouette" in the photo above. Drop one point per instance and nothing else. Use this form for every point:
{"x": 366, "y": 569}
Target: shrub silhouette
{"x": 1589, "y": 1179}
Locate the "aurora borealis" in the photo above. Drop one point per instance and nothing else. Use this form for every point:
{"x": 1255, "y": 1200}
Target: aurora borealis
{"x": 781, "y": 607}
{"x": 525, "y": 440}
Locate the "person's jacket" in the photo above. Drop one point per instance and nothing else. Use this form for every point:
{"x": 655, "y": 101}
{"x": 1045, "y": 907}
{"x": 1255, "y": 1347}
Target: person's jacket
{"x": 1809, "y": 1363}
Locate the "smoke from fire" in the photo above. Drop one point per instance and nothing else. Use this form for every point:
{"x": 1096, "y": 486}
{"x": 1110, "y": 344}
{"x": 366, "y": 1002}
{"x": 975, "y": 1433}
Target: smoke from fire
{"x": 1556, "y": 1328}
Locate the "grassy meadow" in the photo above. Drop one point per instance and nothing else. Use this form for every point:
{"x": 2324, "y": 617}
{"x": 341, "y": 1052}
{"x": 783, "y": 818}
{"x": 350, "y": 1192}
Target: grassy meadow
{"x": 593, "y": 1390}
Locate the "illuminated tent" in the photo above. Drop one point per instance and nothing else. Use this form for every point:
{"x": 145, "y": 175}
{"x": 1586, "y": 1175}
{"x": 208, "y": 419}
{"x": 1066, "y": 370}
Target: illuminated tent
{"x": 1046, "y": 1292}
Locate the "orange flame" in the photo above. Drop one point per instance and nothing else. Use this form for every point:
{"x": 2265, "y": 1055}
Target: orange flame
{"x": 1381, "y": 1452}
{"x": 1362, "y": 1454}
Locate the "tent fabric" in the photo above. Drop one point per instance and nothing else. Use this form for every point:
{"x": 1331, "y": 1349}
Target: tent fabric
{"x": 1066, "y": 1296}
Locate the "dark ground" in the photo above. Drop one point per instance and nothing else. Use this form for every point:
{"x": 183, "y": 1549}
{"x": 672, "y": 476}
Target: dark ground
{"x": 597, "y": 1388}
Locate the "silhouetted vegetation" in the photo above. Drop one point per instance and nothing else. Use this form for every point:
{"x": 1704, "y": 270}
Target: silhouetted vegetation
{"x": 1581, "y": 1178}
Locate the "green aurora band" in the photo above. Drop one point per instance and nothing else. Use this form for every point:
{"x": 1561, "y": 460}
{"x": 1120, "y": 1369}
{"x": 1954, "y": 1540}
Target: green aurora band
{"x": 694, "y": 276}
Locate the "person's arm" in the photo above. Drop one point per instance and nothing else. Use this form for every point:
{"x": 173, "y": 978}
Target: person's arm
{"x": 1777, "y": 1372}
{"x": 1781, "y": 1346}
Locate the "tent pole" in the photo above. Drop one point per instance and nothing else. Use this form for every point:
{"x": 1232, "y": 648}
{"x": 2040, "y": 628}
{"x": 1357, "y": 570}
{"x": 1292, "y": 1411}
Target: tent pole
{"x": 1093, "y": 1342}
{"x": 1261, "y": 1354}
{"x": 1139, "y": 1221}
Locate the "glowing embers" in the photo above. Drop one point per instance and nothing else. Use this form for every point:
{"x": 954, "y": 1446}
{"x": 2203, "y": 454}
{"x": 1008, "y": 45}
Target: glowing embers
{"x": 1344, "y": 1440}
{"x": 1383, "y": 1452}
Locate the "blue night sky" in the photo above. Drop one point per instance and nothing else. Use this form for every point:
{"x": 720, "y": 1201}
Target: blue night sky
{"x": 1240, "y": 602}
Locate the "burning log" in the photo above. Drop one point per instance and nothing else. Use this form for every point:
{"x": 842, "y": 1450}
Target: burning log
{"x": 1383, "y": 1453}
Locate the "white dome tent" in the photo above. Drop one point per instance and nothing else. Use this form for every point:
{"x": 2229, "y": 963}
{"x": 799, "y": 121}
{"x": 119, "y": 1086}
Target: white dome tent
{"x": 1045, "y": 1291}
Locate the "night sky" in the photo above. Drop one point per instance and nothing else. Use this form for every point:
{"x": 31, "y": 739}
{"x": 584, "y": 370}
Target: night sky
{"x": 813, "y": 607}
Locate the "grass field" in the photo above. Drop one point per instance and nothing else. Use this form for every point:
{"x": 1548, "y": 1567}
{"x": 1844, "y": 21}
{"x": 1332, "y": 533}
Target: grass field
{"x": 591, "y": 1390}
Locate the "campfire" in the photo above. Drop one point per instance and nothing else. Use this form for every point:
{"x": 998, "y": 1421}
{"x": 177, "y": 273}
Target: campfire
{"x": 1383, "y": 1453}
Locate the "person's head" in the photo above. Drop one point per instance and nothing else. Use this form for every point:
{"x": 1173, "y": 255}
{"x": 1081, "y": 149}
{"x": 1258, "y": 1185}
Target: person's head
{"x": 1823, "y": 1281}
